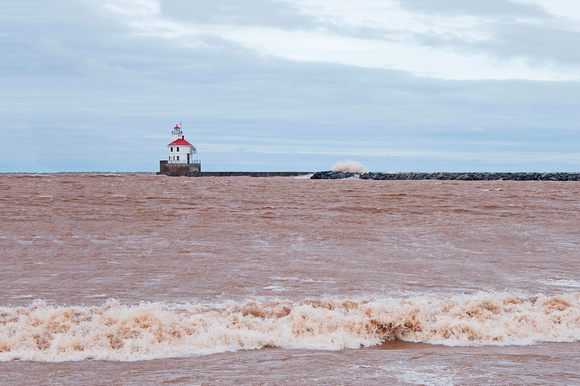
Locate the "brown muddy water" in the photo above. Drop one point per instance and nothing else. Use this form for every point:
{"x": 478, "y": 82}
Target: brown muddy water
{"x": 137, "y": 278}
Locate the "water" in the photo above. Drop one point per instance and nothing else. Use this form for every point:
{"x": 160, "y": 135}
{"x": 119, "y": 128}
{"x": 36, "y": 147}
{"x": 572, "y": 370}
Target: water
{"x": 139, "y": 278}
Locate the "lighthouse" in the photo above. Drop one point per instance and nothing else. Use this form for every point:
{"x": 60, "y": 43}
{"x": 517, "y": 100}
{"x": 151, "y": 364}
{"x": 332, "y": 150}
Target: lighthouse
{"x": 181, "y": 156}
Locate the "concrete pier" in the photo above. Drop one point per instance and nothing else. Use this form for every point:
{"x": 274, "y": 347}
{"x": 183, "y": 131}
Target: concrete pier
{"x": 460, "y": 176}
{"x": 239, "y": 174}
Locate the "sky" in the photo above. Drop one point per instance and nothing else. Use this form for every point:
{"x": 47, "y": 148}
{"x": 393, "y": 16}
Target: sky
{"x": 290, "y": 85}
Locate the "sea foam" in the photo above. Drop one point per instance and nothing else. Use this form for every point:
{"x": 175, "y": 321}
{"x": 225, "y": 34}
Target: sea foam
{"x": 118, "y": 332}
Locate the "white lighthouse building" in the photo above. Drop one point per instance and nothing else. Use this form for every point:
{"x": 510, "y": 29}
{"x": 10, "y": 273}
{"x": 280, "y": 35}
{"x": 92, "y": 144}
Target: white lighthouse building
{"x": 180, "y": 151}
{"x": 181, "y": 156}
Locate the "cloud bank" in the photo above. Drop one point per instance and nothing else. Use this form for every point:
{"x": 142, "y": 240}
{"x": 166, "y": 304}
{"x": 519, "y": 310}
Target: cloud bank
{"x": 262, "y": 85}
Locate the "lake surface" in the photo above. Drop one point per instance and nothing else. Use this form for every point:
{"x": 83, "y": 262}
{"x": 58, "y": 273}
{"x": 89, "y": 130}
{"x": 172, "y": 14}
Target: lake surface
{"x": 138, "y": 278}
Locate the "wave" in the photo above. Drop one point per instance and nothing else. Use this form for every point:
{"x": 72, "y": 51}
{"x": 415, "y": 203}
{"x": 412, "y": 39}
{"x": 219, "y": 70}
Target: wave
{"x": 114, "y": 331}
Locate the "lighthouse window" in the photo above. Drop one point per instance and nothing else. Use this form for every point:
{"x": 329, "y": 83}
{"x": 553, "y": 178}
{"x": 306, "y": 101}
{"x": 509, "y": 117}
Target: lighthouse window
{"x": 178, "y": 148}
{"x": 178, "y": 158}
{"x": 172, "y": 149}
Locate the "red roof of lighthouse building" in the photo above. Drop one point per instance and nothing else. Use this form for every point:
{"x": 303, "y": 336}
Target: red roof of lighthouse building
{"x": 180, "y": 141}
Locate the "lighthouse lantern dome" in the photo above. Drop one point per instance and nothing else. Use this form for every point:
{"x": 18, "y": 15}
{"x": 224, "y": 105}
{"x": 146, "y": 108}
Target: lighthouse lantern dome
{"x": 177, "y": 133}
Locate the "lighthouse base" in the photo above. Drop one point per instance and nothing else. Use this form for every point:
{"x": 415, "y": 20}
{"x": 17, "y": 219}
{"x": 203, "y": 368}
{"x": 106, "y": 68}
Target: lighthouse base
{"x": 178, "y": 169}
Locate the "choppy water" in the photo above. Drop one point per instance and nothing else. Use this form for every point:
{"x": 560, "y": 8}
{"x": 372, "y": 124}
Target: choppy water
{"x": 151, "y": 279}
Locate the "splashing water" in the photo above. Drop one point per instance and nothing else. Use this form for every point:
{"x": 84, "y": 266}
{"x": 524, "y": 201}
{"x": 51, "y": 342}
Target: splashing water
{"x": 349, "y": 166}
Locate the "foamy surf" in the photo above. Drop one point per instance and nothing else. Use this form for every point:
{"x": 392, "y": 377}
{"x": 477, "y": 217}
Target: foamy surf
{"x": 120, "y": 332}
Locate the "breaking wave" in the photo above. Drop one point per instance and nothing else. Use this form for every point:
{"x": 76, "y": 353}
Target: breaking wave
{"x": 349, "y": 166}
{"x": 114, "y": 331}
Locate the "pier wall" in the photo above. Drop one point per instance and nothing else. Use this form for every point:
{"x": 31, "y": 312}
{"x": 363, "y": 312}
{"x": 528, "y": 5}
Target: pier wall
{"x": 251, "y": 174}
{"x": 179, "y": 169}
{"x": 196, "y": 173}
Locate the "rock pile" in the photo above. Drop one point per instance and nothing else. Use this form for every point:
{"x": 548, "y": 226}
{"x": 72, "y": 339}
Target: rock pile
{"x": 330, "y": 175}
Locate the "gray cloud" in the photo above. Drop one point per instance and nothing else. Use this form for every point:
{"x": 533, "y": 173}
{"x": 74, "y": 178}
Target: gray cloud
{"x": 271, "y": 13}
{"x": 22, "y": 23}
{"x": 474, "y": 8}
{"x": 279, "y": 14}
{"x": 540, "y": 44}
{"x": 512, "y": 31}
{"x": 536, "y": 42}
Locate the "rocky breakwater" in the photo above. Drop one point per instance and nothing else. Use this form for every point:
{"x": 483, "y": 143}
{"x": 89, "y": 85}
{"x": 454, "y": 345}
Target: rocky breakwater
{"x": 331, "y": 175}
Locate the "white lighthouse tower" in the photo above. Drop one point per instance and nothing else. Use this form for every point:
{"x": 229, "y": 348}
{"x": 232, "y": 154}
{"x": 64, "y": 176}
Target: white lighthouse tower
{"x": 177, "y": 133}
{"x": 181, "y": 156}
{"x": 180, "y": 151}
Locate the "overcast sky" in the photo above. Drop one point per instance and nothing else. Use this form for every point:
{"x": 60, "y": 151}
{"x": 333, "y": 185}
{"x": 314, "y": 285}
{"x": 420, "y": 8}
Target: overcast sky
{"x": 291, "y": 85}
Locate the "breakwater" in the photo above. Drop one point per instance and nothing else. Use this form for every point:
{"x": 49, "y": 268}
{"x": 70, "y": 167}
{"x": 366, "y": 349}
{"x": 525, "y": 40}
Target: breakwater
{"x": 250, "y": 174}
{"x": 472, "y": 176}
{"x": 459, "y": 176}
